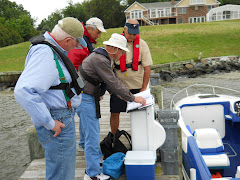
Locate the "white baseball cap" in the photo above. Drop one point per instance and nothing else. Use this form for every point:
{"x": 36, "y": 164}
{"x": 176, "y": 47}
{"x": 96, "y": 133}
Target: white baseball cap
{"x": 118, "y": 41}
{"x": 96, "y": 22}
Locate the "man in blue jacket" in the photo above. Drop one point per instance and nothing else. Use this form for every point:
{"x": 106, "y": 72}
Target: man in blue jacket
{"x": 51, "y": 110}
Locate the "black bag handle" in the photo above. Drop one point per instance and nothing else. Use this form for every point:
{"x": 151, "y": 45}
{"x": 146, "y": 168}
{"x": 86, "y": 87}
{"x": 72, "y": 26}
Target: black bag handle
{"x": 118, "y": 134}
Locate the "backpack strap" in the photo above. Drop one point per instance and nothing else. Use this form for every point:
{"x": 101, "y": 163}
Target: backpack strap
{"x": 70, "y": 94}
{"x": 118, "y": 134}
{"x": 86, "y": 77}
{"x": 77, "y": 82}
{"x": 103, "y": 52}
{"x": 96, "y": 94}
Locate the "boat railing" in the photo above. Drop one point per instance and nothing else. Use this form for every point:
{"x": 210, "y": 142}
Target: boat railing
{"x": 172, "y": 104}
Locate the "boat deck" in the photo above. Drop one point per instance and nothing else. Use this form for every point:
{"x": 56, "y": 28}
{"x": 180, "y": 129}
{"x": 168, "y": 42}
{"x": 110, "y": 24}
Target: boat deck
{"x": 36, "y": 169}
{"x": 233, "y": 151}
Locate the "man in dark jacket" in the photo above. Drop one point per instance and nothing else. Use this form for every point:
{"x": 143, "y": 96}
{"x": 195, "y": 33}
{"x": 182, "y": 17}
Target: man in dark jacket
{"x": 96, "y": 69}
{"x": 92, "y": 31}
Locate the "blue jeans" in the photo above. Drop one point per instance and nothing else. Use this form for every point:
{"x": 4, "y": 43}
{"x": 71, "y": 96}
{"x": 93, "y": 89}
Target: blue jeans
{"x": 81, "y": 142}
{"x": 91, "y": 132}
{"x": 60, "y": 151}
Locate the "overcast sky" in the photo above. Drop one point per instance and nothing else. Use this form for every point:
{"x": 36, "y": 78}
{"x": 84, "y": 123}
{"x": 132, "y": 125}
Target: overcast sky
{"x": 40, "y": 9}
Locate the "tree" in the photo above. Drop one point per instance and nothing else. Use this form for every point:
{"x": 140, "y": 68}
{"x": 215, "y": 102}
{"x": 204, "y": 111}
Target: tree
{"x": 110, "y": 12}
{"x": 22, "y": 24}
{"x": 224, "y": 2}
{"x": 15, "y": 18}
{"x": 49, "y": 23}
{"x": 130, "y": 2}
{"x": 76, "y": 10}
{"x": 9, "y": 36}
{"x": 10, "y": 9}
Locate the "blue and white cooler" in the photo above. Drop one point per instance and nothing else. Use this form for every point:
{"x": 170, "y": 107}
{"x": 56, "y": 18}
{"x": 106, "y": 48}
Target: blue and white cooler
{"x": 140, "y": 165}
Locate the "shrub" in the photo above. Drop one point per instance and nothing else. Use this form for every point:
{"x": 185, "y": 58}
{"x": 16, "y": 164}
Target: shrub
{"x": 9, "y": 36}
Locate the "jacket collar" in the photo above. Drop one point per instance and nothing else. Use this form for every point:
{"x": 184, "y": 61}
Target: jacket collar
{"x": 88, "y": 35}
{"x": 103, "y": 52}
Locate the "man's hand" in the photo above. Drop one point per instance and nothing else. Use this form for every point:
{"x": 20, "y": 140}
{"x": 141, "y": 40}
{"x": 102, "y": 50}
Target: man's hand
{"x": 140, "y": 99}
{"x": 57, "y": 128}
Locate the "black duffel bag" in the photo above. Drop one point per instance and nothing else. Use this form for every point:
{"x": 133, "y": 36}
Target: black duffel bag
{"x": 112, "y": 143}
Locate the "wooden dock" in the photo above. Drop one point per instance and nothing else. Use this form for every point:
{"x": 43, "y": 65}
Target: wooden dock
{"x": 36, "y": 169}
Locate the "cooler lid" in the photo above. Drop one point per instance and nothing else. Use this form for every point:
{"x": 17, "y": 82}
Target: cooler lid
{"x": 139, "y": 158}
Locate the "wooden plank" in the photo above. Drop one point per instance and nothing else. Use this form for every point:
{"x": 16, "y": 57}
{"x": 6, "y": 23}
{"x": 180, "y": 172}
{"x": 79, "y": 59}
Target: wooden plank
{"x": 36, "y": 169}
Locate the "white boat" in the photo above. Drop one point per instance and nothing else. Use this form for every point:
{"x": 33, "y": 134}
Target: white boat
{"x": 210, "y": 126}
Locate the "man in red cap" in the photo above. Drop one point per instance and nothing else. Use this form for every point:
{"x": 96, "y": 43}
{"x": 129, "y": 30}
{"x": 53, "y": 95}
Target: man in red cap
{"x": 133, "y": 69}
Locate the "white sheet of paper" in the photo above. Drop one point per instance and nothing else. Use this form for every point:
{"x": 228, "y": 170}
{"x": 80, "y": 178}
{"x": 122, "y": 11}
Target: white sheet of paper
{"x": 149, "y": 100}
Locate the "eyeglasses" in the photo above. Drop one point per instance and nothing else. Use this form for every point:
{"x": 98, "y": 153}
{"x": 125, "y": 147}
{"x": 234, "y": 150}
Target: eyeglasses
{"x": 123, "y": 52}
{"x": 76, "y": 40}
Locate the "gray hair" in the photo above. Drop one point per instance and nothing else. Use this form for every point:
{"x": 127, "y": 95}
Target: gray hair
{"x": 91, "y": 26}
{"x": 59, "y": 34}
{"x": 127, "y": 21}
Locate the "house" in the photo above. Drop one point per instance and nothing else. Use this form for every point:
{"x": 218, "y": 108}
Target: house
{"x": 226, "y": 12}
{"x": 171, "y": 12}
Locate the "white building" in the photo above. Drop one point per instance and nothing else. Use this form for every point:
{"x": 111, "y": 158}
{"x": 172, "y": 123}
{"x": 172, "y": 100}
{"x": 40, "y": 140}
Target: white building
{"x": 225, "y": 12}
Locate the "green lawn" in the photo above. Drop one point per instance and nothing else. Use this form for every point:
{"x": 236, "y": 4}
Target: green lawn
{"x": 167, "y": 43}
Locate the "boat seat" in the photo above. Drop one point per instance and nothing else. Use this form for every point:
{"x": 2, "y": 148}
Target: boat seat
{"x": 211, "y": 146}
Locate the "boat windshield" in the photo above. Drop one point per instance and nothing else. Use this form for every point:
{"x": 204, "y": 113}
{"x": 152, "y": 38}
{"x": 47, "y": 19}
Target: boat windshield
{"x": 208, "y": 96}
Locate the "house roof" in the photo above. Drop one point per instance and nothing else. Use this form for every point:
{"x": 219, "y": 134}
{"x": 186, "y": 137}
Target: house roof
{"x": 155, "y": 5}
{"x": 186, "y": 3}
{"x": 133, "y": 4}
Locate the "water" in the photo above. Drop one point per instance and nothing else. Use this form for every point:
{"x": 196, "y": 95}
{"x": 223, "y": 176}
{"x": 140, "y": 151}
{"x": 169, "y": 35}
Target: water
{"x": 14, "y": 152}
{"x": 227, "y": 80}
{"x": 14, "y": 121}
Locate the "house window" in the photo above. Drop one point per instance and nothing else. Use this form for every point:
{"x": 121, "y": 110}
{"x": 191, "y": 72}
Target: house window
{"x": 210, "y": 7}
{"x": 153, "y": 13}
{"x": 196, "y": 19}
{"x": 182, "y": 10}
{"x": 214, "y": 17}
{"x": 227, "y": 14}
{"x": 160, "y": 12}
{"x": 180, "y": 21}
{"x": 136, "y": 14}
{"x": 168, "y": 12}
{"x": 235, "y": 14}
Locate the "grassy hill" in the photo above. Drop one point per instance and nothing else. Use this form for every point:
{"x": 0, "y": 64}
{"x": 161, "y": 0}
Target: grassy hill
{"x": 167, "y": 43}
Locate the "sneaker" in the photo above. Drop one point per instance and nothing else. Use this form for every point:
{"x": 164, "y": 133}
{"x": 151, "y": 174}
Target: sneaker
{"x": 80, "y": 149}
{"x": 98, "y": 177}
{"x": 103, "y": 177}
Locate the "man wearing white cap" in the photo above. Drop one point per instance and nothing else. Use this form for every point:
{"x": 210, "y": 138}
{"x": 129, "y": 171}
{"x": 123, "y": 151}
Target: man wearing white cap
{"x": 52, "y": 109}
{"x": 92, "y": 31}
{"x": 96, "y": 69}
